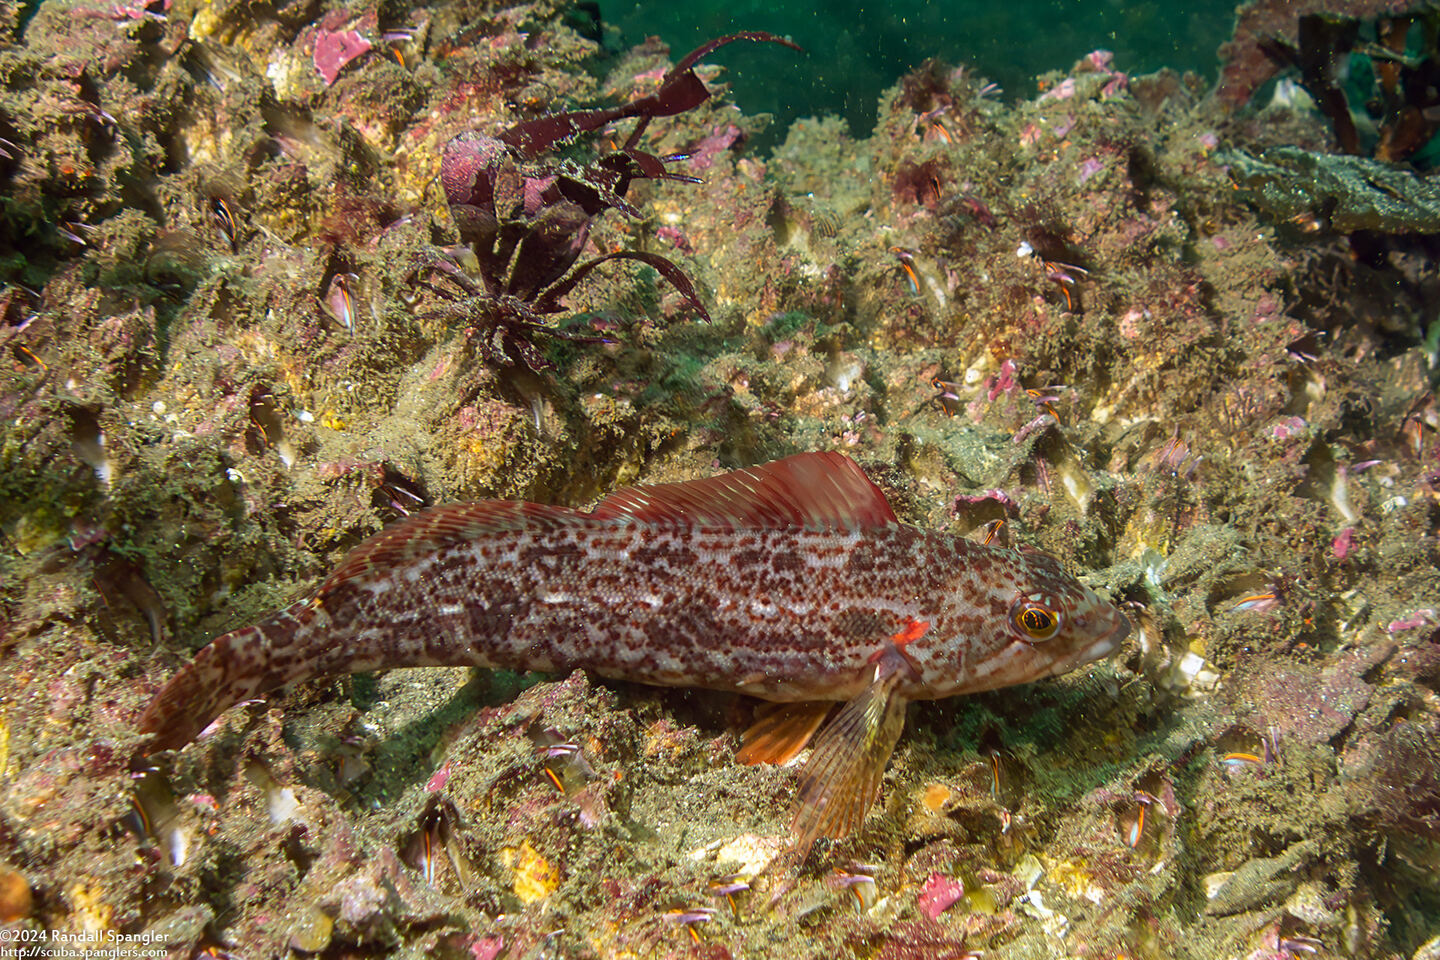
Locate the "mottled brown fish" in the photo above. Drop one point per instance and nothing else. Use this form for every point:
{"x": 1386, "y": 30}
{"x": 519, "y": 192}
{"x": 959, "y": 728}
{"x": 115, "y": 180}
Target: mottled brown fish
{"x": 792, "y": 582}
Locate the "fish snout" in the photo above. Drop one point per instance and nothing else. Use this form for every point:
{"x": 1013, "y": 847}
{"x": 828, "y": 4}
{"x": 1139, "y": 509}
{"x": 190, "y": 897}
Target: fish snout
{"x": 1109, "y": 641}
{"x": 1108, "y": 629}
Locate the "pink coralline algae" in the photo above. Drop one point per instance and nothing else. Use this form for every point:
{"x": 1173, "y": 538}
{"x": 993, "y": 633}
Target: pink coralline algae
{"x": 487, "y": 948}
{"x": 1088, "y": 169}
{"x": 675, "y": 238}
{"x": 1004, "y": 382}
{"x": 334, "y": 49}
{"x": 140, "y": 10}
{"x": 703, "y": 155}
{"x": 1102, "y": 61}
{"x": 1419, "y": 618}
{"x": 1063, "y": 90}
{"x": 1341, "y": 546}
{"x": 1331, "y": 697}
{"x": 1287, "y": 428}
{"x": 938, "y": 894}
{"x": 439, "y": 779}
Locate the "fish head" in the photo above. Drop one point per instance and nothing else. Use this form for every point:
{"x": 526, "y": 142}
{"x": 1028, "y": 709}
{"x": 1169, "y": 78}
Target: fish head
{"x": 1042, "y": 622}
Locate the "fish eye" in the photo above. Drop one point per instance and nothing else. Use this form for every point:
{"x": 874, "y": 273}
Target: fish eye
{"x": 1036, "y": 617}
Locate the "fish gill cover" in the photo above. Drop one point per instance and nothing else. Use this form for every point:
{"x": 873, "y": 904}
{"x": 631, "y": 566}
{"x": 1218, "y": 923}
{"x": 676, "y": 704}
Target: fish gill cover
{"x": 1180, "y": 337}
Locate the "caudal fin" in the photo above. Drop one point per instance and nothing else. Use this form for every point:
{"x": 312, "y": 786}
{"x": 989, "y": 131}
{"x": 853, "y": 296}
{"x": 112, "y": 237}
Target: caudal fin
{"x": 237, "y": 666}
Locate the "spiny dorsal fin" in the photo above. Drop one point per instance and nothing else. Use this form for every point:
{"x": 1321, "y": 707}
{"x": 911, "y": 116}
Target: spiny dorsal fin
{"x": 819, "y": 491}
{"x": 824, "y": 491}
{"x": 453, "y": 523}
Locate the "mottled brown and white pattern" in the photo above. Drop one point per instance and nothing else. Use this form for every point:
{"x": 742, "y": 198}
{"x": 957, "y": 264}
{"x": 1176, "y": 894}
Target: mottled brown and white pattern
{"x": 790, "y": 582}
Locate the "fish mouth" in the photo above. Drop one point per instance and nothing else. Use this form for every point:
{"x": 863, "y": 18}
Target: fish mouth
{"x": 1116, "y": 636}
{"x": 1104, "y": 645}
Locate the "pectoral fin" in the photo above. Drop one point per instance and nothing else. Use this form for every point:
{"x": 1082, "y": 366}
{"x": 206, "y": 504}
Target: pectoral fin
{"x": 842, "y": 777}
{"x": 781, "y": 731}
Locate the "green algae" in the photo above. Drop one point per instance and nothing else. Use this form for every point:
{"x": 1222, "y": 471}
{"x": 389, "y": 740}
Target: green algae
{"x": 1345, "y": 193}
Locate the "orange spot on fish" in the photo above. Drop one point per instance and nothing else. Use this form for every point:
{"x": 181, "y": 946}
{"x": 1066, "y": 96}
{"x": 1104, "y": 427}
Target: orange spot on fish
{"x": 914, "y": 630}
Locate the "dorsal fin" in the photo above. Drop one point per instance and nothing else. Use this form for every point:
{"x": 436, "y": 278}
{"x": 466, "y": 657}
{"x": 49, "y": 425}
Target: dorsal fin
{"x": 820, "y": 491}
{"x": 437, "y": 527}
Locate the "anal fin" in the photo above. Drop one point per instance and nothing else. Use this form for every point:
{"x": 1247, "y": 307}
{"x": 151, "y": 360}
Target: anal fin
{"x": 841, "y": 779}
{"x": 781, "y": 731}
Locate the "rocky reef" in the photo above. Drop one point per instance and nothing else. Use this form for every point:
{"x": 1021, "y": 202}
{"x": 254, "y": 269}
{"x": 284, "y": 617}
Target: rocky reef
{"x": 1180, "y": 337}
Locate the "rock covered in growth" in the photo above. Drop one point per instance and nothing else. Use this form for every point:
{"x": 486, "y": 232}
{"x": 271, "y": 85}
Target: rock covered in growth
{"x": 1355, "y": 193}
{"x": 1246, "y": 65}
{"x": 1054, "y": 311}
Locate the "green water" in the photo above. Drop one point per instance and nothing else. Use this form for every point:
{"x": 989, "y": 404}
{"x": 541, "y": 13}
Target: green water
{"x": 857, "y": 49}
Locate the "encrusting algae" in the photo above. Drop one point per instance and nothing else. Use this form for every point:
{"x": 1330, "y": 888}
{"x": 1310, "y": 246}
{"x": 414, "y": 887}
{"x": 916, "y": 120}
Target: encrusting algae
{"x": 1172, "y": 341}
